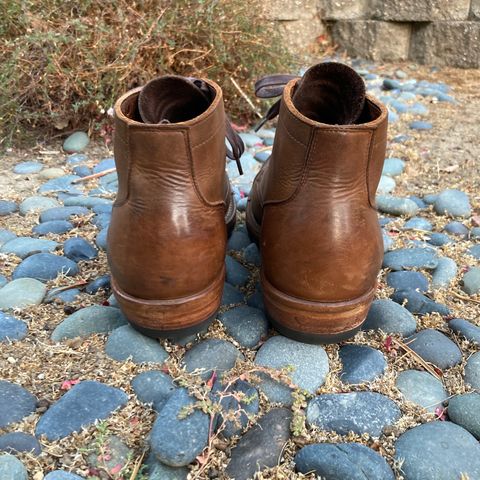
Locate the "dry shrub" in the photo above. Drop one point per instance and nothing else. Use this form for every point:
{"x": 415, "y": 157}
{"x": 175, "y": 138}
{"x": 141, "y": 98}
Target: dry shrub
{"x": 65, "y": 62}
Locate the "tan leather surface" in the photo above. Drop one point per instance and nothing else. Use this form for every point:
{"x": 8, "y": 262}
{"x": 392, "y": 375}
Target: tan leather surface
{"x": 167, "y": 237}
{"x": 320, "y": 237}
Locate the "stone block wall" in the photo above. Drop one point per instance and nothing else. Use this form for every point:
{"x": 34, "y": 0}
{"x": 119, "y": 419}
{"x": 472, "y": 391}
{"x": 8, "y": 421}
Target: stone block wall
{"x": 440, "y": 32}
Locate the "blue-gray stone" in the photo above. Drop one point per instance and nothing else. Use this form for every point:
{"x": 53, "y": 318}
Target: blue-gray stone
{"x": 11, "y": 328}
{"x": 418, "y": 223}
{"x": 109, "y": 177}
{"x": 76, "y": 158}
{"x": 157, "y": 470}
{"x": 15, "y": 403}
{"x": 406, "y": 279}
{"x": 76, "y": 142}
{"x": 6, "y": 236}
{"x": 436, "y": 348}
{"x": 238, "y": 240}
{"x": 358, "y": 412}
{"x": 82, "y": 171}
{"x": 87, "y": 202}
{"x": 211, "y": 355}
{"x": 60, "y": 184}
{"x": 78, "y": 248}
{"x": 393, "y": 167}
{"x": 387, "y": 241}
{"x": 101, "y": 239}
{"x": 37, "y": 204}
{"x": 453, "y": 202}
{"x": 231, "y": 295}
{"x": 177, "y": 436}
{"x": 3, "y": 280}
{"x": 154, "y": 387}
{"x": 406, "y": 258}
{"x": 89, "y": 320}
{"x": 475, "y": 233}
{"x": 255, "y": 300}
{"x": 402, "y": 138}
{"x": 17, "y": 442}
{"x": 236, "y": 274}
{"x": 22, "y": 293}
{"x": 55, "y": 226}
{"x": 98, "y": 209}
{"x": 416, "y": 302}
{"x": 11, "y": 468}
{"x": 307, "y": 364}
{"x": 251, "y": 254}
{"x": 342, "y": 461}
{"x": 247, "y": 325}
{"x": 471, "y": 281}
{"x": 62, "y": 475}
{"x": 439, "y": 239}
{"x": 445, "y": 272}
{"x": 396, "y": 205}
{"x": 463, "y": 327}
{"x": 105, "y": 164}
{"x": 101, "y": 282}
{"x": 422, "y": 389}
{"x": 239, "y": 401}
{"x": 474, "y": 251}
{"x": 420, "y": 203}
{"x": 7, "y": 207}
{"x": 386, "y": 185}
{"x": 102, "y": 220}
{"x": 430, "y": 198}
{"x": 45, "y": 266}
{"x": 24, "y": 246}
{"x": 261, "y": 446}
{"x": 25, "y": 168}
{"x": 456, "y": 228}
{"x": 361, "y": 364}
{"x": 390, "y": 84}
{"x": 438, "y": 451}
{"x": 250, "y": 139}
{"x": 65, "y": 296}
{"x": 242, "y": 204}
{"x": 399, "y": 106}
{"x": 464, "y": 410}
{"x": 127, "y": 343}
{"x": 62, "y": 213}
{"x": 81, "y": 406}
{"x": 418, "y": 109}
{"x": 263, "y": 156}
{"x": 420, "y": 125}
{"x": 472, "y": 371}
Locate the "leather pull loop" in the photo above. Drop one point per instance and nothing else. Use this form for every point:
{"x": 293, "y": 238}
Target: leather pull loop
{"x": 268, "y": 87}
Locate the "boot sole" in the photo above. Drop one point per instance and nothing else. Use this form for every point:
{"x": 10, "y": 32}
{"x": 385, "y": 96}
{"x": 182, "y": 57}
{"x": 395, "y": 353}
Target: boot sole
{"x": 315, "y": 322}
{"x": 172, "y": 318}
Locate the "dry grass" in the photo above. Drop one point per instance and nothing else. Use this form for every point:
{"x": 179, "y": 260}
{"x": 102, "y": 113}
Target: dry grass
{"x": 65, "y": 63}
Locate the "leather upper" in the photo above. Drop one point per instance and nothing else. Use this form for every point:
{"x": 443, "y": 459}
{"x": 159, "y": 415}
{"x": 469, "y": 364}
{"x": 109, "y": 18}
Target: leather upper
{"x": 315, "y": 201}
{"x": 167, "y": 236}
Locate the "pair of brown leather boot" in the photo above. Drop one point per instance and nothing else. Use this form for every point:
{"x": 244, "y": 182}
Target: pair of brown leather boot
{"x": 311, "y": 208}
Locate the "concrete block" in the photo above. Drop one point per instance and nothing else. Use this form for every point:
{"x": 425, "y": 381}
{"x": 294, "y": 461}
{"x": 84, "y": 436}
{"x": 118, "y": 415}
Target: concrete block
{"x": 289, "y": 10}
{"x": 420, "y": 10}
{"x": 475, "y": 9}
{"x": 375, "y": 40}
{"x": 455, "y": 44}
{"x": 344, "y": 9}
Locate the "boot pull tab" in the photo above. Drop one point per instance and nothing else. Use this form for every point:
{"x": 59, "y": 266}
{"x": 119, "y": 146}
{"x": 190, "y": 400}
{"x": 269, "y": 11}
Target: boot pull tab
{"x": 236, "y": 143}
{"x": 268, "y": 87}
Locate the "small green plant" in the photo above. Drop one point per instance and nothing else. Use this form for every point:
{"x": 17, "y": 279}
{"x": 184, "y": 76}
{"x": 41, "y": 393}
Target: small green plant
{"x": 64, "y": 63}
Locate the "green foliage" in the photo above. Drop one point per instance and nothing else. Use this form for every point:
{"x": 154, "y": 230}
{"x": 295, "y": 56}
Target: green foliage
{"x": 65, "y": 62}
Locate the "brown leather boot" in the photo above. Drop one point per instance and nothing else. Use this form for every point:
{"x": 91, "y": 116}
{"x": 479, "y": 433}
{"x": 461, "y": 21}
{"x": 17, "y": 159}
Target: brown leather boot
{"x": 313, "y": 204}
{"x": 167, "y": 237}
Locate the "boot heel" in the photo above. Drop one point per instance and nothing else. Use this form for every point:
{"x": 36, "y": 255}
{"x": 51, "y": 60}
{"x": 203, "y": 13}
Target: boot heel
{"x": 177, "y": 317}
{"x": 314, "y": 322}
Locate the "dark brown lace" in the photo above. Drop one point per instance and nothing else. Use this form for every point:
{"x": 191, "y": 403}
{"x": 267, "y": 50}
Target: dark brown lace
{"x": 237, "y": 146}
{"x": 271, "y": 86}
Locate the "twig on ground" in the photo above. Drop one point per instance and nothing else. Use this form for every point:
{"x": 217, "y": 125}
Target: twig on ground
{"x": 247, "y": 99}
{"x": 95, "y": 175}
